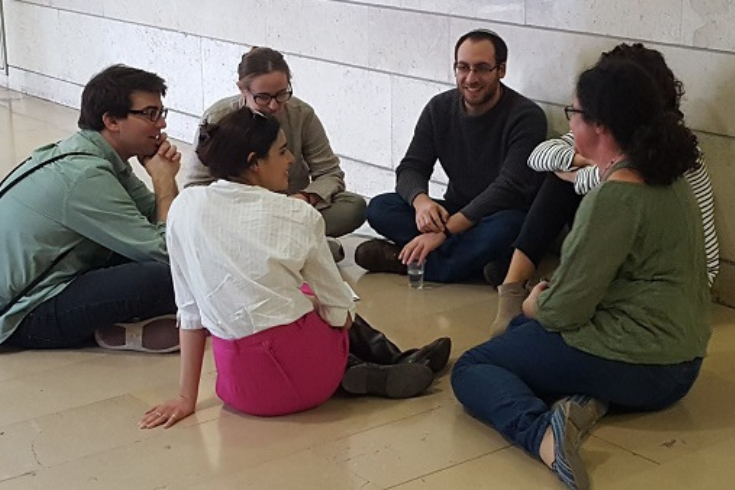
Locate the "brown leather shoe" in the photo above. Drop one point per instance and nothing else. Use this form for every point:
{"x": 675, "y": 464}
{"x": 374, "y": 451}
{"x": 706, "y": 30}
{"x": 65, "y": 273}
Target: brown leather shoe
{"x": 495, "y": 271}
{"x": 379, "y": 255}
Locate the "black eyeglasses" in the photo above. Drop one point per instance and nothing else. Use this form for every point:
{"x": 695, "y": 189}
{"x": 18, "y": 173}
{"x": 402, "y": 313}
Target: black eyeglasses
{"x": 264, "y": 98}
{"x": 481, "y": 69}
{"x": 570, "y": 110}
{"x": 153, "y": 114}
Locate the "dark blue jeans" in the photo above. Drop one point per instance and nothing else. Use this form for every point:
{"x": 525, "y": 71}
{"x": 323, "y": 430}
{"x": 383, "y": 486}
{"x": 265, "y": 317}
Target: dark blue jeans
{"x": 510, "y": 381}
{"x": 462, "y": 256}
{"x": 98, "y": 298}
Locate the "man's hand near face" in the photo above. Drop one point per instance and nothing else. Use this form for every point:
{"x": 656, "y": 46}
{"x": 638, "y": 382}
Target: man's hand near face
{"x": 163, "y": 167}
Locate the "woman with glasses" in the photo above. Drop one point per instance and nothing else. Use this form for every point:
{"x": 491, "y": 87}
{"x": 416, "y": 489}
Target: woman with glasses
{"x": 279, "y": 346}
{"x": 315, "y": 176}
{"x": 556, "y": 203}
{"x": 624, "y": 320}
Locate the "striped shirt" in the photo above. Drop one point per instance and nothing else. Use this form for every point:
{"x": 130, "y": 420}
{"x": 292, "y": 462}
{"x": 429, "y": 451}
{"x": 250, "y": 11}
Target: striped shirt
{"x": 557, "y": 155}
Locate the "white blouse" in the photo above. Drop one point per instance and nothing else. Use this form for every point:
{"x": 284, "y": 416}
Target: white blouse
{"x": 239, "y": 255}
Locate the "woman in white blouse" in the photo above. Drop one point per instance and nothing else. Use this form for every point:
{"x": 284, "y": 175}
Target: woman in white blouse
{"x": 241, "y": 254}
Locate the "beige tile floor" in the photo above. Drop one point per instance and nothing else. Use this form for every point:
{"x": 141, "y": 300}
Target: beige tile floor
{"x": 68, "y": 419}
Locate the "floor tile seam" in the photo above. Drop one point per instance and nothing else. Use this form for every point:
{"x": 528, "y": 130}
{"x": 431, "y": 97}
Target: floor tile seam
{"x": 45, "y": 124}
{"x": 16, "y": 477}
{"x": 458, "y": 463}
{"x": 152, "y": 439}
{"x": 79, "y": 459}
{"x": 393, "y": 421}
{"x": 67, "y": 409}
{"x": 124, "y": 391}
{"x": 30, "y": 113}
{"x": 286, "y": 453}
{"x": 50, "y": 369}
{"x": 460, "y": 304}
{"x": 623, "y": 448}
{"x": 40, "y": 466}
{"x": 317, "y": 445}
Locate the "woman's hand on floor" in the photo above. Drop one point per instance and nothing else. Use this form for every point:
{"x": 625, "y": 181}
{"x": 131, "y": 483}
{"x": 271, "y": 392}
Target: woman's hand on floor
{"x": 167, "y": 413}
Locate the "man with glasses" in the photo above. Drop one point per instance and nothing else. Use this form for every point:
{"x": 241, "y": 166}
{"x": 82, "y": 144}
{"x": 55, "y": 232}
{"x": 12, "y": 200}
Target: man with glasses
{"x": 84, "y": 252}
{"x": 482, "y": 133}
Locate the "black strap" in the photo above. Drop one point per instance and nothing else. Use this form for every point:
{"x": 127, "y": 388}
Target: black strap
{"x": 34, "y": 169}
{"x": 3, "y": 191}
{"x": 35, "y": 282}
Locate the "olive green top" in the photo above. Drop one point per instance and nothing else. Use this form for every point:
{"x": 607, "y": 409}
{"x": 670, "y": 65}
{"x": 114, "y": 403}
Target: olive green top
{"x": 632, "y": 283}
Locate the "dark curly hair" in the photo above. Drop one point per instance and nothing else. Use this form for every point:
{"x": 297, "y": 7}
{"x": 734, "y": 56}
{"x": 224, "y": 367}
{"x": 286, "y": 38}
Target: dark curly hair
{"x": 654, "y": 63}
{"x": 620, "y": 95}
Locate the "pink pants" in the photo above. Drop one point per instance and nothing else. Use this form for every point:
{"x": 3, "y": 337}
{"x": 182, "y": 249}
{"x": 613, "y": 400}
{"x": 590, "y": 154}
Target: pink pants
{"x": 281, "y": 370}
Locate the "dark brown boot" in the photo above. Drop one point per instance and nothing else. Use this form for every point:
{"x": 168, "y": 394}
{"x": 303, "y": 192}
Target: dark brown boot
{"x": 379, "y": 255}
{"x": 396, "y": 381}
{"x": 372, "y": 345}
{"x": 435, "y": 355}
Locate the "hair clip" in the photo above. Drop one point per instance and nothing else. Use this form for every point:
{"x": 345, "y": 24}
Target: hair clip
{"x": 206, "y": 131}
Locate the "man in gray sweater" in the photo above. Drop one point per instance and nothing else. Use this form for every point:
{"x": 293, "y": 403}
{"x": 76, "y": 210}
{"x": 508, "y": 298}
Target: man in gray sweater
{"x": 482, "y": 133}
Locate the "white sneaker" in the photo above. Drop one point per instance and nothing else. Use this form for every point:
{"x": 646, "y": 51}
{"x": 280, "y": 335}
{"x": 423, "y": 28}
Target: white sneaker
{"x": 157, "y": 335}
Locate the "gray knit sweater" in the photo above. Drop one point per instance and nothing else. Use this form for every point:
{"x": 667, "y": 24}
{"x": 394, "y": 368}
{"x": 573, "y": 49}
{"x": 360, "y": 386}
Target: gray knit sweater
{"x": 484, "y": 156}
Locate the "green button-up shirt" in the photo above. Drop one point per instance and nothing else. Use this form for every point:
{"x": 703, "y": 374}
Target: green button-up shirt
{"x": 83, "y": 208}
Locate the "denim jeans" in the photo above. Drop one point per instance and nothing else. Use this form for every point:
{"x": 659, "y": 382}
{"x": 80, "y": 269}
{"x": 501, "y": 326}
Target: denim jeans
{"x": 510, "y": 381}
{"x": 98, "y": 298}
{"x": 462, "y": 256}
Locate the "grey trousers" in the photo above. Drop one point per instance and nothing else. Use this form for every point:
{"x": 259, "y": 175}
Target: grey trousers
{"x": 345, "y": 214}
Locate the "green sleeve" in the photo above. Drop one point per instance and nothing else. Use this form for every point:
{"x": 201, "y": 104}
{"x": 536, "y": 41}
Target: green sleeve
{"x": 602, "y": 237}
{"x": 144, "y": 199}
{"x": 101, "y": 209}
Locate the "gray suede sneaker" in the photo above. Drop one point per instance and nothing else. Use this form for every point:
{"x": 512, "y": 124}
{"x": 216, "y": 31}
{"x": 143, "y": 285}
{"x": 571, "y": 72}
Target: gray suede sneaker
{"x": 510, "y": 304}
{"x": 571, "y": 420}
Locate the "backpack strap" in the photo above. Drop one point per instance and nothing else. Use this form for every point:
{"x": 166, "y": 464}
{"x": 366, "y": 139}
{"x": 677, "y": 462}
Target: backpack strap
{"x": 3, "y": 191}
{"x": 28, "y": 172}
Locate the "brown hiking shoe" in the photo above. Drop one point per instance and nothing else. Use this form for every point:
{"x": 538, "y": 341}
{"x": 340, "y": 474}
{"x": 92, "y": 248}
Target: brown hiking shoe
{"x": 494, "y": 272}
{"x": 379, "y": 255}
